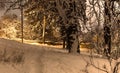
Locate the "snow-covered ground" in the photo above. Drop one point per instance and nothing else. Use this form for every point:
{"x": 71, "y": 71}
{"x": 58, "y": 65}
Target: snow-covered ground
{"x": 45, "y": 59}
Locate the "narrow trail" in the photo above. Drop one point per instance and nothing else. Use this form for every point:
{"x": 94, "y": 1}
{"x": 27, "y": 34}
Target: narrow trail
{"x": 60, "y": 62}
{"x": 33, "y": 63}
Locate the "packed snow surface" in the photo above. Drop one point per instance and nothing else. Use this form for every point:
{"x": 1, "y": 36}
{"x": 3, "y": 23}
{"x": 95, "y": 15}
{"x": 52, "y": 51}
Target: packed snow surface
{"x": 45, "y": 59}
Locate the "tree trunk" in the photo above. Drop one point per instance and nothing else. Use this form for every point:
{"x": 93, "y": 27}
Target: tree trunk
{"x": 75, "y": 45}
{"x": 107, "y": 25}
{"x": 63, "y": 43}
{"x": 72, "y": 39}
{"x": 21, "y": 21}
{"x": 44, "y": 26}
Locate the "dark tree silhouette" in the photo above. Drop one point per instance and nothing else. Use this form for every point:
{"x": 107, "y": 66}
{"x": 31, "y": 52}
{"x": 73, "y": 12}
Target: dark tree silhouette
{"x": 107, "y": 40}
{"x": 108, "y": 7}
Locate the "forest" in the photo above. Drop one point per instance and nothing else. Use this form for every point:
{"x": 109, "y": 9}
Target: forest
{"x": 86, "y": 29}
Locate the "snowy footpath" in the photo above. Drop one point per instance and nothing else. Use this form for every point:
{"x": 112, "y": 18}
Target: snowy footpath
{"x": 44, "y": 59}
